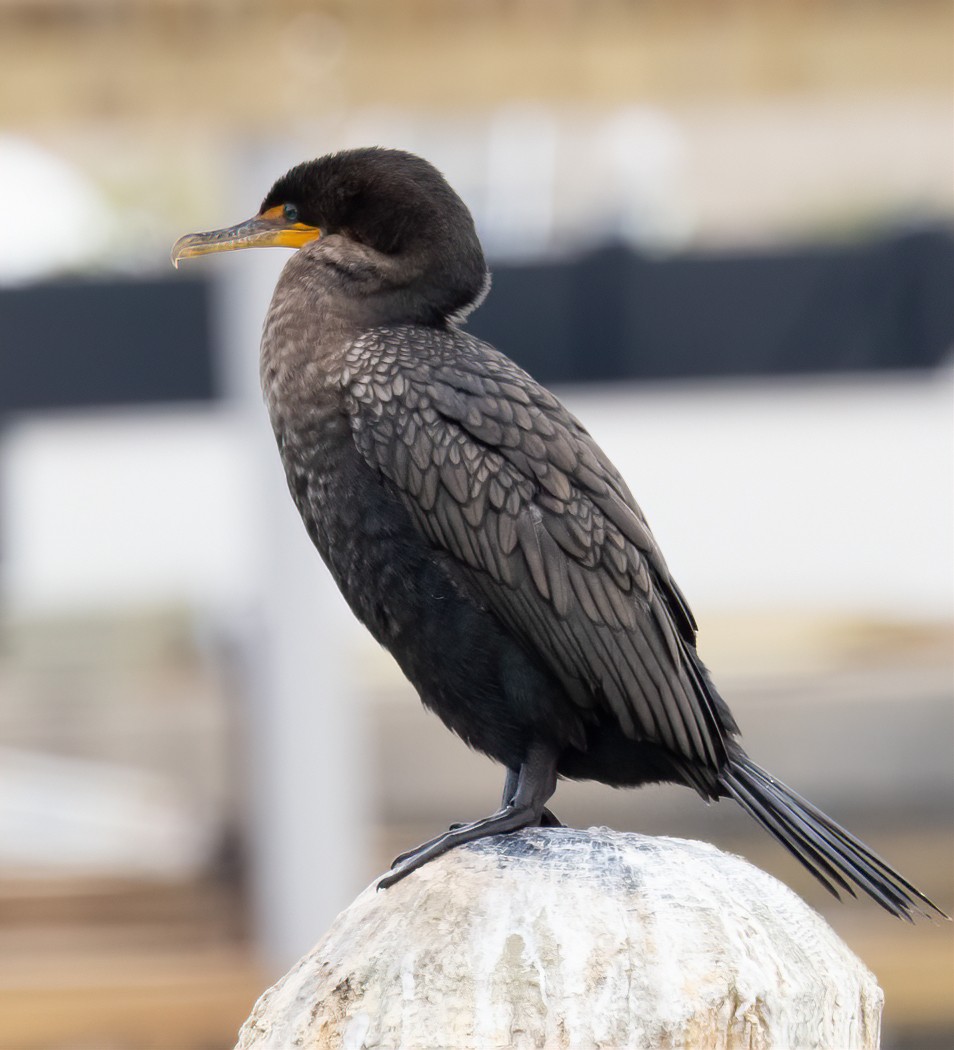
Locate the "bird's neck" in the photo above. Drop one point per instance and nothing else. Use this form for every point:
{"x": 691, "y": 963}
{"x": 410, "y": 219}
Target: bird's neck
{"x": 305, "y": 337}
{"x": 318, "y": 310}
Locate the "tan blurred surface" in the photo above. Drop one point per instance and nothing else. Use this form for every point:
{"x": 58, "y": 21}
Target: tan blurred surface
{"x": 127, "y": 937}
{"x": 107, "y": 964}
{"x": 253, "y": 65}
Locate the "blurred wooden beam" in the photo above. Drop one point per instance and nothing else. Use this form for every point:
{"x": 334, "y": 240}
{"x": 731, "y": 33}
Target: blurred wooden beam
{"x": 186, "y": 1001}
{"x": 252, "y": 66}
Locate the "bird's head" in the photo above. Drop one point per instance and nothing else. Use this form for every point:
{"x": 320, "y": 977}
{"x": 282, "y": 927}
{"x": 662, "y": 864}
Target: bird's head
{"x": 373, "y": 216}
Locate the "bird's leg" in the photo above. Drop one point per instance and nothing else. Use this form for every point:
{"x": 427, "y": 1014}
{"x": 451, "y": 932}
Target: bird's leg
{"x": 548, "y": 819}
{"x": 510, "y": 787}
{"x": 535, "y": 783}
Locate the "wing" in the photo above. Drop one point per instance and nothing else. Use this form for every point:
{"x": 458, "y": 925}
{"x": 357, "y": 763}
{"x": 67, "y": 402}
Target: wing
{"x": 495, "y": 471}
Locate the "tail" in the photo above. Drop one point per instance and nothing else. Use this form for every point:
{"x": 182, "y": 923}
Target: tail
{"x": 834, "y": 856}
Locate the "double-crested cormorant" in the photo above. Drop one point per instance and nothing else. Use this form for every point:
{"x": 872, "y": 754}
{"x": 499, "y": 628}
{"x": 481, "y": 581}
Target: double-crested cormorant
{"x": 476, "y": 528}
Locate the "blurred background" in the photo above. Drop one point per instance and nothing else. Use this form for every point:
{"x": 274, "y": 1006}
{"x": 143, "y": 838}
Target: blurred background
{"x": 724, "y": 231}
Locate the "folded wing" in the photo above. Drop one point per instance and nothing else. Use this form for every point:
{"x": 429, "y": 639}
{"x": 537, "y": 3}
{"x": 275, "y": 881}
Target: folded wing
{"x": 496, "y": 472}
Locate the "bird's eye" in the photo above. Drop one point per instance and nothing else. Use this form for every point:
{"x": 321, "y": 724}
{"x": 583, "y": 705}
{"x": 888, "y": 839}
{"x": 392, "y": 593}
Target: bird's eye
{"x": 290, "y": 212}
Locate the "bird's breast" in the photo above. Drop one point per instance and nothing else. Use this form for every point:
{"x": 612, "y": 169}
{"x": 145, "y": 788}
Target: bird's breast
{"x": 359, "y": 526}
{"x": 302, "y": 358}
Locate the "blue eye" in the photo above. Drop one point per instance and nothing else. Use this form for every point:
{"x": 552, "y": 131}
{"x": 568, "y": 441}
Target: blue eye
{"x": 290, "y": 212}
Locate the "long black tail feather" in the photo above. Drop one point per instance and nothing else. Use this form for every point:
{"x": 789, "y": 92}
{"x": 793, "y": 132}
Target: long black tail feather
{"x": 834, "y": 856}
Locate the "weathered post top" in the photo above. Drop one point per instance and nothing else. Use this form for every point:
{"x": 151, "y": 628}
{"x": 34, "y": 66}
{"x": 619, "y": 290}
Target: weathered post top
{"x": 563, "y": 938}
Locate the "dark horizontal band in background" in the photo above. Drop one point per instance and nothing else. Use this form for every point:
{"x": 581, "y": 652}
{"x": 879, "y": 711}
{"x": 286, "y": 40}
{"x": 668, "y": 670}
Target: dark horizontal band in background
{"x": 877, "y": 304}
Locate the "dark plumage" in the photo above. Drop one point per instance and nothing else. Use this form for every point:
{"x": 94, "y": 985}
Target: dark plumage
{"x": 477, "y": 529}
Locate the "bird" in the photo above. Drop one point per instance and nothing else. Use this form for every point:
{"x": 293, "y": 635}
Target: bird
{"x": 476, "y": 528}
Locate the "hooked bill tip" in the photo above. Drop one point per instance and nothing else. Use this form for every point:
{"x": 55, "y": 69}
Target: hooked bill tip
{"x": 178, "y": 249}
